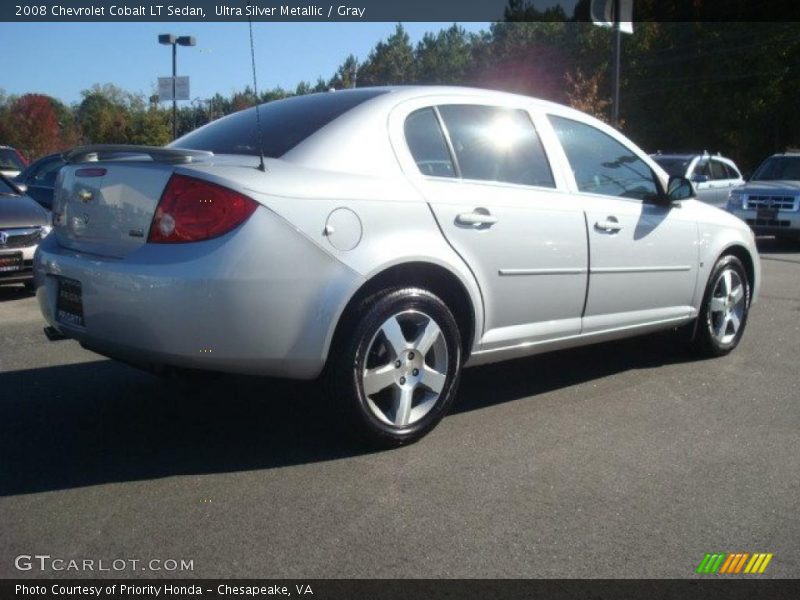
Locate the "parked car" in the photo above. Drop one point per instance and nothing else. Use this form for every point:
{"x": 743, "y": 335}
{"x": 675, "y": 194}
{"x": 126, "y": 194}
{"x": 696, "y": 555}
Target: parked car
{"x": 11, "y": 161}
{"x": 770, "y": 201}
{"x": 38, "y": 179}
{"x": 713, "y": 175}
{"x": 23, "y": 224}
{"x": 387, "y": 238}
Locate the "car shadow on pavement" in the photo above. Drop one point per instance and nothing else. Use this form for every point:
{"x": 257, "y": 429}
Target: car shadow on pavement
{"x": 13, "y": 292}
{"x": 771, "y": 245}
{"x": 100, "y": 422}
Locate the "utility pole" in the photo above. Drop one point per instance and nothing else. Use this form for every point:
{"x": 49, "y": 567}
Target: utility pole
{"x": 616, "y": 60}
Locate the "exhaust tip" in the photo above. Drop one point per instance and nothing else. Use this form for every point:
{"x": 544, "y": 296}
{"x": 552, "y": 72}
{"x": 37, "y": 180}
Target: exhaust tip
{"x": 54, "y": 335}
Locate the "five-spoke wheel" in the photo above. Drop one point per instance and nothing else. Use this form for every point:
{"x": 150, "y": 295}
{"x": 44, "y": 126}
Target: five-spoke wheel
{"x": 398, "y": 365}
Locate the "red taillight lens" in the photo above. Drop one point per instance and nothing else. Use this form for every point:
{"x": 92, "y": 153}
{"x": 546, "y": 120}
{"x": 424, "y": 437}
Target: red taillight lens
{"x": 192, "y": 210}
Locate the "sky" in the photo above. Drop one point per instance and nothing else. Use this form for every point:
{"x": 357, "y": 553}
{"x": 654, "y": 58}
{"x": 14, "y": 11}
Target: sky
{"x": 62, "y": 59}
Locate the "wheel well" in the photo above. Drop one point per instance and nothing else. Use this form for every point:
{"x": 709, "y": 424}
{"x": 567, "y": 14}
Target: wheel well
{"x": 433, "y": 278}
{"x": 743, "y": 255}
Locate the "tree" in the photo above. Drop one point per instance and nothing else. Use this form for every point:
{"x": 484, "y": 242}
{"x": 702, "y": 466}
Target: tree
{"x": 391, "y": 62}
{"x": 346, "y": 75}
{"x": 31, "y": 125}
{"x": 444, "y": 58}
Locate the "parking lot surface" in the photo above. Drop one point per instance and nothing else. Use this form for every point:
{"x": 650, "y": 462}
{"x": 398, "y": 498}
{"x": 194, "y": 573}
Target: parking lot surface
{"x": 620, "y": 460}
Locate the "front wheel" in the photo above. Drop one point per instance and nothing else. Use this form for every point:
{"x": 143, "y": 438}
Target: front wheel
{"x": 397, "y": 370}
{"x": 726, "y": 304}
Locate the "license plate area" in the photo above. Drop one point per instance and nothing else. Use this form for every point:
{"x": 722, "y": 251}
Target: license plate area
{"x": 766, "y": 214}
{"x": 69, "y": 302}
{"x": 11, "y": 262}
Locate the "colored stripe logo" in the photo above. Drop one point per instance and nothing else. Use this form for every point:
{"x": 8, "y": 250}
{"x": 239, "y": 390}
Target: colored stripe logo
{"x": 734, "y": 563}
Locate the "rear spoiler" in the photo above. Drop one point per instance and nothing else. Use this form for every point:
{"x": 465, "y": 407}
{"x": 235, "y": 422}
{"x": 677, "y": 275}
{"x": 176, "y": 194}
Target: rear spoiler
{"x": 97, "y": 152}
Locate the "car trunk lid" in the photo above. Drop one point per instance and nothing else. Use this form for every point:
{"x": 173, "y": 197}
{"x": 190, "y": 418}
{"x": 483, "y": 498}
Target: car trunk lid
{"x": 106, "y": 196}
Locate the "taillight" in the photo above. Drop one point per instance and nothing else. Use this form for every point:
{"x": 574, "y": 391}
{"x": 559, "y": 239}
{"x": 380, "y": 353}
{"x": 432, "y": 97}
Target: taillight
{"x": 192, "y": 210}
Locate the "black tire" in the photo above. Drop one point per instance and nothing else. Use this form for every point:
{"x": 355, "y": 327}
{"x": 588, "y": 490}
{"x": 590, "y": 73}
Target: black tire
{"x": 361, "y": 344}
{"x": 706, "y": 343}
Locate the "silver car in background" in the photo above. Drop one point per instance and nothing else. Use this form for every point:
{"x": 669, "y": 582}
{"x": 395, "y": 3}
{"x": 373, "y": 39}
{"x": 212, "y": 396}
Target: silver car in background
{"x": 713, "y": 176}
{"x": 770, "y": 201}
{"x": 23, "y": 224}
{"x": 390, "y": 237}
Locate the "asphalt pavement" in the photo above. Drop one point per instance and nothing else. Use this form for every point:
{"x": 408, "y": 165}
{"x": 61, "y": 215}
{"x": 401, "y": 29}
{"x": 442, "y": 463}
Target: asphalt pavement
{"x": 625, "y": 459}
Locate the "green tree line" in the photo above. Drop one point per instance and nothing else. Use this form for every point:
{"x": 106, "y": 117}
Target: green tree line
{"x": 725, "y": 87}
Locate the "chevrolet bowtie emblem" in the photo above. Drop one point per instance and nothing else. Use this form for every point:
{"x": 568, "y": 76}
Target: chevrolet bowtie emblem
{"x": 85, "y": 196}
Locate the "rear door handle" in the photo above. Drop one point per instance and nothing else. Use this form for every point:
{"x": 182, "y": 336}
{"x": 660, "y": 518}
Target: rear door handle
{"x": 476, "y": 217}
{"x": 609, "y": 225}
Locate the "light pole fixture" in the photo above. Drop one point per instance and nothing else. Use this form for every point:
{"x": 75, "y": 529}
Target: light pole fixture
{"x": 172, "y": 40}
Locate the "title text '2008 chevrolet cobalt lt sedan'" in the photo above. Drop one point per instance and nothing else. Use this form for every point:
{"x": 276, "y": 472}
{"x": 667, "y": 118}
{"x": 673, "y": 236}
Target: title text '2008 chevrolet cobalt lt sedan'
{"x": 393, "y": 236}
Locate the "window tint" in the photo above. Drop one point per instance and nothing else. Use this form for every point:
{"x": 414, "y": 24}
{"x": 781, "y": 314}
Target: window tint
{"x": 732, "y": 173}
{"x": 601, "y": 164}
{"x": 47, "y": 172}
{"x": 9, "y": 159}
{"x": 284, "y": 124}
{"x": 718, "y": 170}
{"x": 702, "y": 169}
{"x": 778, "y": 167}
{"x": 675, "y": 167}
{"x": 497, "y": 144}
{"x": 427, "y": 144}
{"x": 5, "y": 188}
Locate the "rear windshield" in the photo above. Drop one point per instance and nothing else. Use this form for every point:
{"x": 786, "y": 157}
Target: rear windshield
{"x": 284, "y": 124}
{"x": 776, "y": 168}
{"x": 9, "y": 159}
{"x": 675, "y": 167}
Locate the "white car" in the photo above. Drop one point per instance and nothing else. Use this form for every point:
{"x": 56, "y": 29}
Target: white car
{"x": 713, "y": 176}
{"x": 390, "y": 237}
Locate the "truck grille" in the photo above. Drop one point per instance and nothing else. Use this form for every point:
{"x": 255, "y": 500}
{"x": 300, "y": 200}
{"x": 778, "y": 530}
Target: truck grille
{"x": 19, "y": 238}
{"x": 764, "y": 201}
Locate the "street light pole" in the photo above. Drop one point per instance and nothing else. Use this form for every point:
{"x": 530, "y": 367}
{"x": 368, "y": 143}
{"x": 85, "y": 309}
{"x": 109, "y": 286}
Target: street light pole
{"x": 174, "y": 99}
{"x": 172, "y": 40}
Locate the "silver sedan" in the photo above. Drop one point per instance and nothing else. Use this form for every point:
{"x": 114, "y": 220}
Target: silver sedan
{"x": 383, "y": 239}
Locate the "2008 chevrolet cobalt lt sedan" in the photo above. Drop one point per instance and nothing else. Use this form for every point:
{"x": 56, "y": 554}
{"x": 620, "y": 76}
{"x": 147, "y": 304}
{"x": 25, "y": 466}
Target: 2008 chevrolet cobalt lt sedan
{"x": 383, "y": 239}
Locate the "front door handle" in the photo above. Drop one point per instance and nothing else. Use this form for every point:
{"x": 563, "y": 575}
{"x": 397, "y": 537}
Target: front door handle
{"x": 609, "y": 225}
{"x": 477, "y": 217}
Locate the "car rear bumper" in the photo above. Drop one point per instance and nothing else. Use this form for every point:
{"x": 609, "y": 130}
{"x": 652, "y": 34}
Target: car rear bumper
{"x": 259, "y": 300}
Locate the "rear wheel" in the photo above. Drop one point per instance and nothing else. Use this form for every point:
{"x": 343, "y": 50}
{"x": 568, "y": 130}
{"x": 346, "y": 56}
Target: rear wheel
{"x": 397, "y": 367}
{"x": 726, "y": 304}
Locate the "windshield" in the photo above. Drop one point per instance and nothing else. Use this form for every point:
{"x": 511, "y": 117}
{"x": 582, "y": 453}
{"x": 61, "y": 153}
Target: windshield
{"x": 675, "y": 167}
{"x": 777, "y": 168}
{"x": 284, "y": 124}
{"x": 9, "y": 159}
{"x": 5, "y": 188}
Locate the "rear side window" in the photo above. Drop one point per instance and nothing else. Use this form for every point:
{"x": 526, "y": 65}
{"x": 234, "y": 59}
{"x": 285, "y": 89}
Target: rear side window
{"x": 427, "y": 144}
{"x": 702, "y": 169}
{"x": 601, "y": 164}
{"x": 718, "y": 170}
{"x": 284, "y": 124}
{"x": 497, "y": 144}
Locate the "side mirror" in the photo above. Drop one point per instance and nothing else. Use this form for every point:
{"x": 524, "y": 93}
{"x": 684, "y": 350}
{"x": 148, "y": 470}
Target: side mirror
{"x": 22, "y": 187}
{"x": 680, "y": 188}
{"x": 699, "y": 178}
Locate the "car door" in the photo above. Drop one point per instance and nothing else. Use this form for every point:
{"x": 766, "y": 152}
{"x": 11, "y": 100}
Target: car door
{"x": 643, "y": 254}
{"x": 701, "y": 177}
{"x": 489, "y": 183}
{"x": 722, "y": 180}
